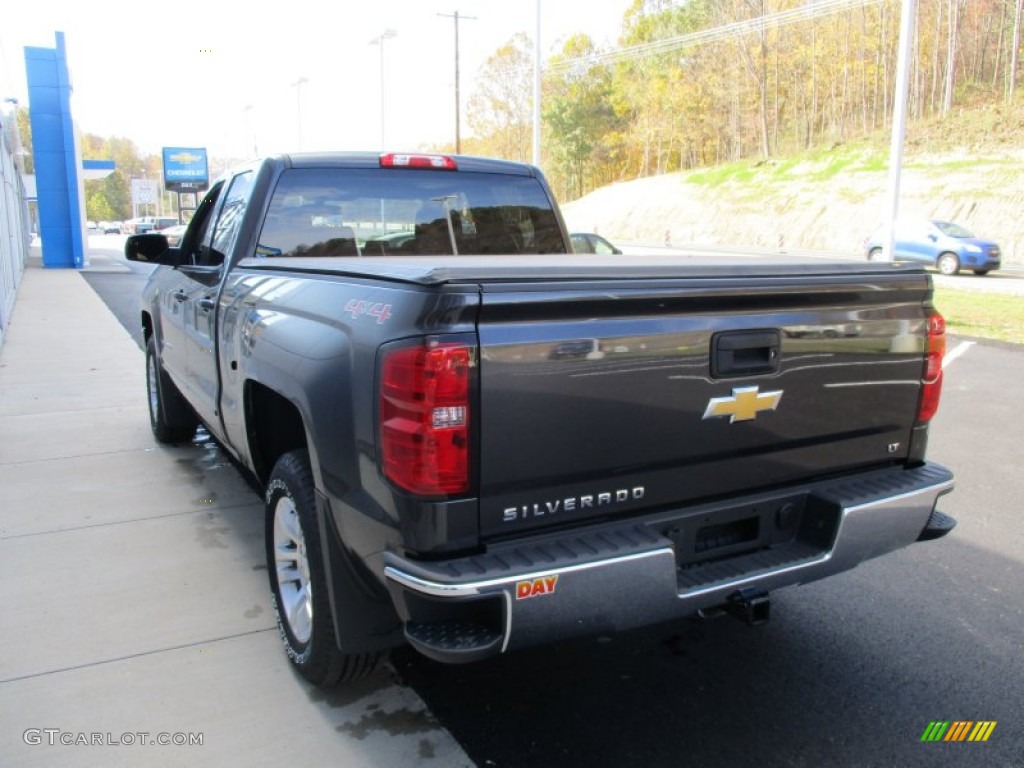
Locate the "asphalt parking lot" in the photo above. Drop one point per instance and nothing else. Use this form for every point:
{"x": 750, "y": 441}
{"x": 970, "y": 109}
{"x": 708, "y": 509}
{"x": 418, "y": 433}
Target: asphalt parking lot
{"x": 848, "y": 672}
{"x": 136, "y": 602}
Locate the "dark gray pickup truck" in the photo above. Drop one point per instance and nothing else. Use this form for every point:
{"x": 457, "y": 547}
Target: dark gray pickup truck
{"x": 473, "y": 440}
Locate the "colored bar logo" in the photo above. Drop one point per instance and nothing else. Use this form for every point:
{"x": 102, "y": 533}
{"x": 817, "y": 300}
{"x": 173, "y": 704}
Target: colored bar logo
{"x": 958, "y": 730}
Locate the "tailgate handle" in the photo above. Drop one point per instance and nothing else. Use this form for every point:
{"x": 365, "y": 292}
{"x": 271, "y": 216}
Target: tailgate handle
{"x": 744, "y": 353}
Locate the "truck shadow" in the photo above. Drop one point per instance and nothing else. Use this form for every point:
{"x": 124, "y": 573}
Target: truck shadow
{"x": 850, "y": 671}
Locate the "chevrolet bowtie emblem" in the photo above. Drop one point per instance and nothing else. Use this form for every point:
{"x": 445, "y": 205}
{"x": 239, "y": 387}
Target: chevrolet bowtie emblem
{"x": 744, "y": 404}
{"x": 185, "y": 157}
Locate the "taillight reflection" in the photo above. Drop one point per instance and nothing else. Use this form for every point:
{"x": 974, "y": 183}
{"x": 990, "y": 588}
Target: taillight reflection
{"x": 931, "y": 390}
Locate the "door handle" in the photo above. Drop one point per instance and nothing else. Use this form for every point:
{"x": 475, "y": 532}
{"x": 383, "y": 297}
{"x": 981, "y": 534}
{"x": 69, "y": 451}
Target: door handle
{"x": 179, "y": 295}
{"x": 206, "y": 304}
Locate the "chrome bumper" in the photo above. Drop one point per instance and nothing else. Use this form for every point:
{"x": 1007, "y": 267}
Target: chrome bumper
{"x": 625, "y": 575}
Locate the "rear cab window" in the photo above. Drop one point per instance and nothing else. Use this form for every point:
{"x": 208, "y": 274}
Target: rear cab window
{"x": 389, "y": 211}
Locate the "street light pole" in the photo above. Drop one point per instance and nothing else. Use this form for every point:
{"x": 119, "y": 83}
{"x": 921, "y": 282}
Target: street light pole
{"x": 899, "y": 125}
{"x": 297, "y": 85}
{"x": 387, "y": 34}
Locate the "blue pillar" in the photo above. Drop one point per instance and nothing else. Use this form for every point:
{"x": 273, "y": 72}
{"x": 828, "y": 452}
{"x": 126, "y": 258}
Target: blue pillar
{"x": 55, "y": 154}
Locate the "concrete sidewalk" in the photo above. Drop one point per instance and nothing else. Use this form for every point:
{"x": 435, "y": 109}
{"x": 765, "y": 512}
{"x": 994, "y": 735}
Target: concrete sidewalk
{"x": 133, "y": 582}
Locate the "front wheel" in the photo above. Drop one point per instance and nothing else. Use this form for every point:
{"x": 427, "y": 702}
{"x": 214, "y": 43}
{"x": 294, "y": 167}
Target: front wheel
{"x": 948, "y": 264}
{"x": 170, "y": 416}
{"x": 298, "y": 580}
{"x": 875, "y": 254}
{"x": 981, "y": 272}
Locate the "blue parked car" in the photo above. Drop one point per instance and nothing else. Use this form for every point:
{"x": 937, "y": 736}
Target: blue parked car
{"x": 948, "y": 246}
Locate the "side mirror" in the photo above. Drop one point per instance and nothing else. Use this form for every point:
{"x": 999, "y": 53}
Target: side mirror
{"x": 151, "y": 249}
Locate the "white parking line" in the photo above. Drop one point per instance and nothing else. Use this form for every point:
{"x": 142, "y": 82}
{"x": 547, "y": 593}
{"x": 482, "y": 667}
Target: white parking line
{"x": 960, "y": 349}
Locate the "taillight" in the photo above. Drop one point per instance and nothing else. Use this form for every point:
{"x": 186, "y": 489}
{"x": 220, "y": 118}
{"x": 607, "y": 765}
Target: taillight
{"x": 441, "y": 162}
{"x": 425, "y": 417}
{"x": 931, "y": 388}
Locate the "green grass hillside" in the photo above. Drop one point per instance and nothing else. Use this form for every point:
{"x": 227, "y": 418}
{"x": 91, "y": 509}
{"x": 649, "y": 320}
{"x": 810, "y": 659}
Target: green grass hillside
{"x": 968, "y": 167}
{"x": 982, "y": 315}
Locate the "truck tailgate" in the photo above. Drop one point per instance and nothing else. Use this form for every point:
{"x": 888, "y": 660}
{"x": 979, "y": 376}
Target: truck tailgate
{"x": 601, "y": 398}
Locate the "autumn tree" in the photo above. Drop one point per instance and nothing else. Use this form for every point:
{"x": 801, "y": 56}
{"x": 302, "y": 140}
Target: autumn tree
{"x": 659, "y": 84}
{"x": 698, "y": 82}
{"x": 110, "y": 199}
{"x": 501, "y": 109}
{"x": 579, "y": 119}
{"x": 24, "y": 126}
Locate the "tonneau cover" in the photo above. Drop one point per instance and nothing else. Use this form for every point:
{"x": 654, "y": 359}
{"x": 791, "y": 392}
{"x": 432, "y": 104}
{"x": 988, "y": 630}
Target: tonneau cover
{"x": 435, "y": 270}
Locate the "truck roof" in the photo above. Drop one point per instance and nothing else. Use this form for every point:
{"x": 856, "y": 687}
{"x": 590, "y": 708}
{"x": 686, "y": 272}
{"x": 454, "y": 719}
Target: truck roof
{"x": 464, "y": 163}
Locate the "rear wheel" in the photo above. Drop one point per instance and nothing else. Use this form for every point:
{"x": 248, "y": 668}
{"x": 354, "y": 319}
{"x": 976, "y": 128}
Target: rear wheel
{"x": 980, "y": 272}
{"x": 948, "y": 263}
{"x": 298, "y": 580}
{"x": 875, "y": 254}
{"x": 170, "y": 416}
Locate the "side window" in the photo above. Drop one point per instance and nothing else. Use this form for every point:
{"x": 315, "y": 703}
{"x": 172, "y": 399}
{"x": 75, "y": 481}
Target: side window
{"x": 212, "y": 251}
{"x": 197, "y": 235}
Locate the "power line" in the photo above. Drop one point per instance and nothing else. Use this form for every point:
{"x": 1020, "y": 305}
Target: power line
{"x": 715, "y": 34}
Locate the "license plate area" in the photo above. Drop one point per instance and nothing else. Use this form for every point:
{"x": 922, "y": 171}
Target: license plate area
{"x": 787, "y": 526}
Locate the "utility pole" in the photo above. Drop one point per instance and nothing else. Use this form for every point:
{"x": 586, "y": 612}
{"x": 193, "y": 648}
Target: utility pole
{"x": 458, "y": 102}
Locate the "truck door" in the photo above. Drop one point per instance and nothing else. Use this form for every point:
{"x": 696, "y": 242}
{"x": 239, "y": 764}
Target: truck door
{"x": 176, "y": 288}
{"x": 179, "y": 292}
{"x": 211, "y": 259}
{"x": 172, "y": 327}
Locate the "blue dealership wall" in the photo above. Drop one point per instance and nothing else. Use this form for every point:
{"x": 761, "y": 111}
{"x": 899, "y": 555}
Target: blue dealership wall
{"x": 55, "y": 154}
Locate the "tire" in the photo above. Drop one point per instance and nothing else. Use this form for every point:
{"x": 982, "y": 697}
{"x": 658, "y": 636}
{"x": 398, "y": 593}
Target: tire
{"x": 948, "y": 263}
{"x": 170, "y": 416}
{"x": 981, "y": 272}
{"x": 298, "y": 580}
{"x": 874, "y": 254}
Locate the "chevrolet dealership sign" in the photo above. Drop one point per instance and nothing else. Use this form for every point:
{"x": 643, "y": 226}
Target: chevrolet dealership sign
{"x": 185, "y": 168}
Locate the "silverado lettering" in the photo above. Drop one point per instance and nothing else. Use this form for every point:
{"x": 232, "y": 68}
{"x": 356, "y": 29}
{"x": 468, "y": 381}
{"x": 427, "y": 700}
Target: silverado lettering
{"x": 447, "y": 408}
{"x": 572, "y": 503}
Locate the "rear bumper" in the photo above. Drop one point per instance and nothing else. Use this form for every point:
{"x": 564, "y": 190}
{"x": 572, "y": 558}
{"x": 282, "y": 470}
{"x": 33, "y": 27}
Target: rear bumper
{"x": 663, "y": 566}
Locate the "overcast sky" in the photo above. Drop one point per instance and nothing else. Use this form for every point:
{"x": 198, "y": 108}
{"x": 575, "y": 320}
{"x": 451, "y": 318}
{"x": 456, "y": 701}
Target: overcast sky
{"x": 183, "y": 73}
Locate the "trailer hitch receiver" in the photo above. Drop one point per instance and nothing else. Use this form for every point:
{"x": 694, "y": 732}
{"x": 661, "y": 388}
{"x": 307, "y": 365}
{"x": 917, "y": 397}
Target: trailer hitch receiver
{"x": 749, "y": 605}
